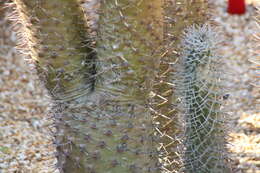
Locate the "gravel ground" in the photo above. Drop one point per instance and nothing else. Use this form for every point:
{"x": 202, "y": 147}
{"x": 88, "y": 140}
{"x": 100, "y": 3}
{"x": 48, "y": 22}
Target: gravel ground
{"x": 237, "y": 50}
{"x": 25, "y": 146}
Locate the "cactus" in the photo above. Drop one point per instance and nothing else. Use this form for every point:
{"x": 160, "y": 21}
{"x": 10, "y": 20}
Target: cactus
{"x": 103, "y": 87}
{"x": 178, "y": 15}
{"x": 200, "y": 89}
{"x": 58, "y": 43}
{"x": 100, "y": 95}
{"x": 118, "y": 136}
{"x": 128, "y": 35}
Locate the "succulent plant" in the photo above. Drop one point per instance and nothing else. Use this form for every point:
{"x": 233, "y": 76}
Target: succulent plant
{"x": 112, "y": 92}
{"x": 100, "y": 94}
{"x": 118, "y": 136}
{"x": 200, "y": 90}
{"x": 178, "y": 15}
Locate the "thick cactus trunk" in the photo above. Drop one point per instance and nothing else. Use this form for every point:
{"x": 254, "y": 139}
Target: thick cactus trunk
{"x": 101, "y": 113}
{"x": 200, "y": 89}
{"x": 55, "y": 35}
{"x": 130, "y": 34}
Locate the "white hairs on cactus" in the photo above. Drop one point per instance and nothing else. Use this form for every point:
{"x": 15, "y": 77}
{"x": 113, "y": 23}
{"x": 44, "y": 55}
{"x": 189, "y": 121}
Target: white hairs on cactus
{"x": 197, "y": 41}
{"x": 199, "y": 87}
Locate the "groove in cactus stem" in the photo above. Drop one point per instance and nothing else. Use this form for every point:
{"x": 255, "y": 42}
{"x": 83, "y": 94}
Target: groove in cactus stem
{"x": 57, "y": 40}
{"x": 100, "y": 109}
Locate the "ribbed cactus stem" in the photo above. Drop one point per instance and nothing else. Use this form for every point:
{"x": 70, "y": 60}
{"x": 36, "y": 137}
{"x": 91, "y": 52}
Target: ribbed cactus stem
{"x": 178, "y": 15}
{"x": 56, "y": 38}
{"x": 200, "y": 89}
{"x": 55, "y": 34}
{"x": 130, "y": 33}
{"x": 101, "y": 109}
{"x": 102, "y": 119}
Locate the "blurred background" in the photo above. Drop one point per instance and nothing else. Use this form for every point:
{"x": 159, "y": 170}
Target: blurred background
{"x": 25, "y": 143}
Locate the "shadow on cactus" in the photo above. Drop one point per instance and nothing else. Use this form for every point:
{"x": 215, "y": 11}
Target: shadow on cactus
{"x": 199, "y": 88}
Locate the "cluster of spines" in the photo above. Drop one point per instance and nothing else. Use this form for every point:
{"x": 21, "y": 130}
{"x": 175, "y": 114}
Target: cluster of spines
{"x": 200, "y": 90}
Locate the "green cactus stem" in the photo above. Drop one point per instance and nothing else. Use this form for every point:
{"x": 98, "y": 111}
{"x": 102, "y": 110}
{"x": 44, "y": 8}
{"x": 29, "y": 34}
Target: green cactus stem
{"x": 101, "y": 103}
{"x": 128, "y": 44}
{"x": 54, "y": 33}
{"x": 178, "y": 15}
{"x": 200, "y": 90}
{"x": 116, "y": 131}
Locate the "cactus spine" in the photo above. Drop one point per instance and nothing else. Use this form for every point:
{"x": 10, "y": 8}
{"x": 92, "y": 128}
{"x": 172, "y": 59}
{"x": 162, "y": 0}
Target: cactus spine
{"x": 200, "y": 90}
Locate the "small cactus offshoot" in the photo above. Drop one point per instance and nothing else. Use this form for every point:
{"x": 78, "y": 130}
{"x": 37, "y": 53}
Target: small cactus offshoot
{"x": 200, "y": 90}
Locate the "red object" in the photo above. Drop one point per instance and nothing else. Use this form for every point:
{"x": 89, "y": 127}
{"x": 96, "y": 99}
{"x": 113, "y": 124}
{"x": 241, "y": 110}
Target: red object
{"x": 236, "y": 6}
